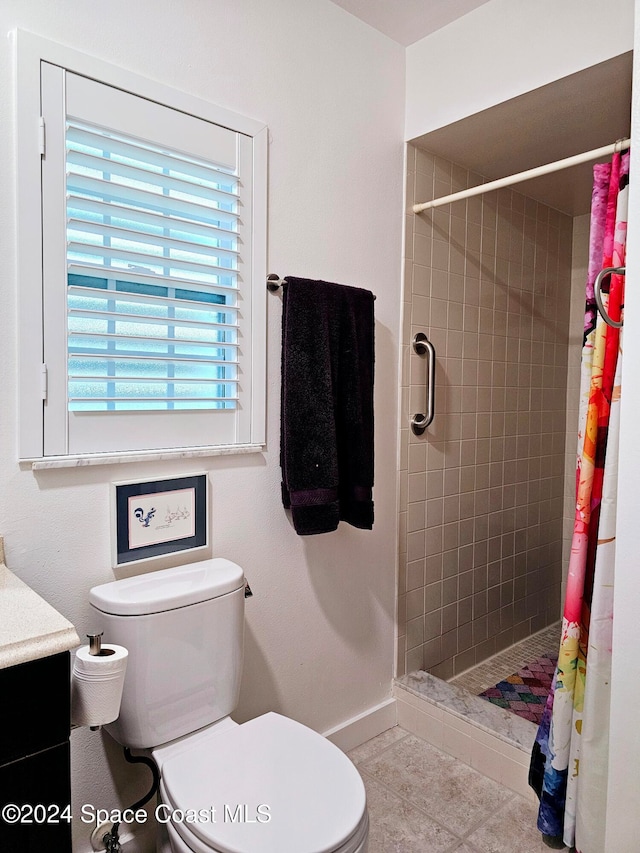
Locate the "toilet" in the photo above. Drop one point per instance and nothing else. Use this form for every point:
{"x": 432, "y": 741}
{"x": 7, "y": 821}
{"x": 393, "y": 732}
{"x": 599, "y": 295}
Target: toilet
{"x": 270, "y": 785}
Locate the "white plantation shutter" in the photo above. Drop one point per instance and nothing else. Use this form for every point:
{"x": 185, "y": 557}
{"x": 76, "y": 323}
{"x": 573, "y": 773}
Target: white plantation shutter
{"x": 152, "y": 251}
{"x": 149, "y": 327}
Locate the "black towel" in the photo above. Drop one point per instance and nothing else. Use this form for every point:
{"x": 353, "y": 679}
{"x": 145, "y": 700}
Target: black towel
{"x": 326, "y": 441}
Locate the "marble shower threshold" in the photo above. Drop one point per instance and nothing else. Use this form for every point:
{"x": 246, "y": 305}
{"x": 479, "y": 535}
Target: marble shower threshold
{"x": 458, "y": 703}
{"x": 458, "y": 699}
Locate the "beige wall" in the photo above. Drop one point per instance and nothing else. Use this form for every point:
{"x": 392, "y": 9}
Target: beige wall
{"x": 481, "y": 492}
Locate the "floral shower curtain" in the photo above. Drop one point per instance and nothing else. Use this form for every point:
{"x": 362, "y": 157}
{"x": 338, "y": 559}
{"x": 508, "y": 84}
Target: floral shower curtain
{"x": 570, "y": 756}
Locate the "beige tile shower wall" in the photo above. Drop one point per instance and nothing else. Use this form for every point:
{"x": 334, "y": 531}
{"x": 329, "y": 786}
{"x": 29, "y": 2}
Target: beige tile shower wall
{"x": 481, "y": 492}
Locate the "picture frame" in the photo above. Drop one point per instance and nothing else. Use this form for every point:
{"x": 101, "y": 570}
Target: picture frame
{"x": 153, "y": 518}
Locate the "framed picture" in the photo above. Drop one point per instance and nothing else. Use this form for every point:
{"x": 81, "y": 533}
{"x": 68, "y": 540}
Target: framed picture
{"x": 157, "y": 517}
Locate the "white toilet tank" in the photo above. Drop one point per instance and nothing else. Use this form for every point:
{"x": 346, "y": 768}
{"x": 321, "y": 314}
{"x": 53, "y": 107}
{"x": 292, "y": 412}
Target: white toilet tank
{"x": 184, "y": 629}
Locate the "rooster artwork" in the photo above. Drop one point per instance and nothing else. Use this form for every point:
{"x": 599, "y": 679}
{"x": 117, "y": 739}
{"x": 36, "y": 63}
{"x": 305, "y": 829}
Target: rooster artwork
{"x": 142, "y": 518}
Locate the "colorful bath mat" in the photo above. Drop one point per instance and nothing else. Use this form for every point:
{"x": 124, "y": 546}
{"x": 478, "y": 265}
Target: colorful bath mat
{"x": 525, "y": 692}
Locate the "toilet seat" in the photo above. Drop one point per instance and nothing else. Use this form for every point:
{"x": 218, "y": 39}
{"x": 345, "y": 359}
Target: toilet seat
{"x": 171, "y": 842}
{"x": 312, "y": 797}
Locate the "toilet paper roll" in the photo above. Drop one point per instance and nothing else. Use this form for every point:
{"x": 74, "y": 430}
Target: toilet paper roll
{"x": 96, "y": 685}
{"x": 110, "y": 658}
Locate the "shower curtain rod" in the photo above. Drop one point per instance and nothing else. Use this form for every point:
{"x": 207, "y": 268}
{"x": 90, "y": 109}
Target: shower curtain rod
{"x": 619, "y": 145}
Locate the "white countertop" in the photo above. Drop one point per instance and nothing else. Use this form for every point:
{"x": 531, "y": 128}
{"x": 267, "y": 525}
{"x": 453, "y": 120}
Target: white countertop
{"x": 30, "y": 628}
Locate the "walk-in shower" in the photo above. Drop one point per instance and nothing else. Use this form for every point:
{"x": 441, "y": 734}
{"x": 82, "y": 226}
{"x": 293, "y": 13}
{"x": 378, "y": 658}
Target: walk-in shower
{"x": 488, "y": 280}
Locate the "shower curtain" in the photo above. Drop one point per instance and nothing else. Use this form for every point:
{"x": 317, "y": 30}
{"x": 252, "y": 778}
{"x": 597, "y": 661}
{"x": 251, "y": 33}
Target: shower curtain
{"x": 570, "y": 756}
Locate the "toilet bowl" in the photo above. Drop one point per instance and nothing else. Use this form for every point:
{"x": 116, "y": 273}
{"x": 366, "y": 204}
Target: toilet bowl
{"x": 269, "y": 785}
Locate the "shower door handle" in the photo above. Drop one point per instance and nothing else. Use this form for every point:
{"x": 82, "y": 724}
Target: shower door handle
{"x": 422, "y": 345}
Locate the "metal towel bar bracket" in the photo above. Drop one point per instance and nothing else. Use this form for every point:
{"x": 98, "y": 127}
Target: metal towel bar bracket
{"x": 422, "y": 345}
{"x": 274, "y": 282}
{"x": 617, "y": 324}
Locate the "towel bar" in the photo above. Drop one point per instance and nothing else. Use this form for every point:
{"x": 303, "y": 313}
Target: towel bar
{"x": 422, "y": 345}
{"x": 274, "y": 282}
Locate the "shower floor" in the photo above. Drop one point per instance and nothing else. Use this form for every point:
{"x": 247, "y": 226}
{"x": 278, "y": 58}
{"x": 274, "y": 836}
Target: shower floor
{"x": 490, "y": 672}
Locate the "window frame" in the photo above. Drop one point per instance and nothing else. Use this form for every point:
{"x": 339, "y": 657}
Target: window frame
{"x": 30, "y": 52}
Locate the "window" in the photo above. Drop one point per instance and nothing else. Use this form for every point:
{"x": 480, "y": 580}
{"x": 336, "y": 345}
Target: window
{"x": 152, "y": 284}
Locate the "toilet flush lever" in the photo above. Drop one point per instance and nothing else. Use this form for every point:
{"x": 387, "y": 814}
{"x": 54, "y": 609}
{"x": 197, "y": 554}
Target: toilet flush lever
{"x": 247, "y": 589}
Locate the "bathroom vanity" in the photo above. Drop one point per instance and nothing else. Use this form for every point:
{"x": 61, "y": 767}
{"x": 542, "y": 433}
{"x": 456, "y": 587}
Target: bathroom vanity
{"x": 35, "y": 787}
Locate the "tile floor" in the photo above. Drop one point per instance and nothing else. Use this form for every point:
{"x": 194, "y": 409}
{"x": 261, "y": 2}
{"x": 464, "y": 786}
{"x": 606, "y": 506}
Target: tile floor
{"x": 424, "y": 801}
{"x": 504, "y": 664}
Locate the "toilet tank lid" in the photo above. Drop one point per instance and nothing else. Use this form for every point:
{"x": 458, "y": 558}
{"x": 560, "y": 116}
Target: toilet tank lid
{"x": 168, "y": 589}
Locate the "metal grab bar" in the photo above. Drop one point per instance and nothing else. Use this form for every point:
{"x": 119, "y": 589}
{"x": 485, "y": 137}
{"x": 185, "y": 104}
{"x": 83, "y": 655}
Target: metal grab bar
{"x": 616, "y": 324}
{"x": 422, "y": 345}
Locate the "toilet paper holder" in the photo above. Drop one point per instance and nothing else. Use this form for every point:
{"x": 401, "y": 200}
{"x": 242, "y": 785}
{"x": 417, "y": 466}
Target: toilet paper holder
{"x": 95, "y": 643}
{"x": 81, "y": 692}
{"x": 95, "y": 646}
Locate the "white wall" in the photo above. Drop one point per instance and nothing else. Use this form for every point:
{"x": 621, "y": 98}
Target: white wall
{"x": 505, "y": 48}
{"x": 319, "y": 642}
{"x": 623, "y": 821}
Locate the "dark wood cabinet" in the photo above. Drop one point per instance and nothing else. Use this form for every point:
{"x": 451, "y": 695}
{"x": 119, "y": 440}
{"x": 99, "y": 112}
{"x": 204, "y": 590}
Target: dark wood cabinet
{"x": 35, "y": 772}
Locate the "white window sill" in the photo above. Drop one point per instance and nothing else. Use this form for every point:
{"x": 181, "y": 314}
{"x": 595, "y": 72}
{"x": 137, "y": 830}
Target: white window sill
{"x": 141, "y": 456}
